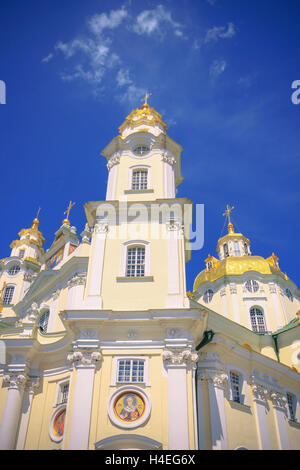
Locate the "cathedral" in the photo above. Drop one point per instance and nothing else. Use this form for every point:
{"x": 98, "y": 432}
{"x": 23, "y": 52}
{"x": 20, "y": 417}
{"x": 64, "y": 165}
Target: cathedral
{"x": 103, "y": 348}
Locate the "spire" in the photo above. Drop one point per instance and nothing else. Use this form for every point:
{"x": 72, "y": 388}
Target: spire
{"x": 227, "y": 215}
{"x": 35, "y": 223}
{"x": 66, "y": 220}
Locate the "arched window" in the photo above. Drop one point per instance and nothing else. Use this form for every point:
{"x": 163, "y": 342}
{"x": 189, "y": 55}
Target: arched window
{"x": 135, "y": 265}
{"x": 235, "y": 384}
{"x": 43, "y": 321}
{"x": 289, "y": 294}
{"x": 225, "y": 248}
{"x": 14, "y": 269}
{"x": 252, "y": 286}
{"x": 257, "y": 320}
{"x": 139, "y": 179}
{"x": 208, "y": 295}
{"x": 246, "y": 249}
{"x": 8, "y": 295}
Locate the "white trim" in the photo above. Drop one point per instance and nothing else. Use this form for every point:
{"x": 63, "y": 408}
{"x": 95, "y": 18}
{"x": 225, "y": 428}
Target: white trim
{"x": 115, "y": 382}
{"x": 130, "y": 441}
{"x": 113, "y": 397}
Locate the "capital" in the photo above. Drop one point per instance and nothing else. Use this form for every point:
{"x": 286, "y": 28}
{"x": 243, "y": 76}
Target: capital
{"x": 84, "y": 358}
{"x": 185, "y": 356}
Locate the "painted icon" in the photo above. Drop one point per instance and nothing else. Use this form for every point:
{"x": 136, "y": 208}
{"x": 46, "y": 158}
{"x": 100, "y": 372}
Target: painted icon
{"x": 59, "y": 423}
{"x": 129, "y": 406}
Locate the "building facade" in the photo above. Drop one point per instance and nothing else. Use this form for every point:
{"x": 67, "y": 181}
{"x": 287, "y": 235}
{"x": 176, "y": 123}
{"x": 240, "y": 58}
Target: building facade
{"x": 105, "y": 349}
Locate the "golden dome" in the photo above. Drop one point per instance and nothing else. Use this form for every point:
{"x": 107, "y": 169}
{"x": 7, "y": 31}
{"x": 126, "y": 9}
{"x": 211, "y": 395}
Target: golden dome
{"x": 238, "y": 265}
{"x": 144, "y": 115}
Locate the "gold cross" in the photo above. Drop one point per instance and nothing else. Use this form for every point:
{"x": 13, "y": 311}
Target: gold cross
{"x": 227, "y": 212}
{"x": 38, "y": 212}
{"x": 147, "y": 95}
{"x": 71, "y": 204}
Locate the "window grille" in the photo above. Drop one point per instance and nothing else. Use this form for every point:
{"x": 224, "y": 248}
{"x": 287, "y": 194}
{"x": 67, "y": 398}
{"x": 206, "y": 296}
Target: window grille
{"x": 135, "y": 262}
{"x": 139, "y": 179}
{"x": 291, "y": 406}
{"x": 257, "y": 320}
{"x": 130, "y": 370}
{"x": 252, "y": 286}
{"x": 43, "y": 322}
{"x": 8, "y": 295}
{"x": 235, "y": 386}
{"x": 14, "y": 270}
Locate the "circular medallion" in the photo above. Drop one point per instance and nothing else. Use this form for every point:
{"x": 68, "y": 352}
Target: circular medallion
{"x": 57, "y": 424}
{"x": 129, "y": 407}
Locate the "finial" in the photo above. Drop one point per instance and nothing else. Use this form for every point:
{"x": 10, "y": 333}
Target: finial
{"x": 35, "y": 223}
{"x": 147, "y": 95}
{"x": 227, "y": 214}
{"x": 66, "y": 220}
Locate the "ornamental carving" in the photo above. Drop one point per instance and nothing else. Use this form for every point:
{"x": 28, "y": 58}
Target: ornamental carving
{"x": 175, "y": 225}
{"x": 217, "y": 378}
{"x": 27, "y": 277}
{"x": 259, "y": 392}
{"x": 84, "y": 358}
{"x": 101, "y": 227}
{"x": 168, "y": 159}
{"x": 16, "y": 381}
{"x": 113, "y": 161}
{"x": 278, "y": 399}
{"x": 233, "y": 289}
{"x": 180, "y": 357}
{"x": 77, "y": 280}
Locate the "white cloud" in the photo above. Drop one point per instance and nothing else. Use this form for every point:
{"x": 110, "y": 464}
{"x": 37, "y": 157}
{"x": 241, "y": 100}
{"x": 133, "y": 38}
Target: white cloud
{"x": 151, "y": 21}
{"x": 48, "y": 57}
{"x": 211, "y": 2}
{"x": 98, "y": 23}
{"x": 217, "y": 68}
{"x": 220, "y": 32}
{"x": 123, "y": 78}
{"x": 133, "y": 94}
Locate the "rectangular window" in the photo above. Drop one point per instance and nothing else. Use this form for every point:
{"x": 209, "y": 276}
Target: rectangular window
{"x": 8, "y": 295}
{"x": 135, "y": 262}
{"x": 139, "y": 179}
{"x": 21, "y": 253}
{"x": 235, "y": 387}
{"x": 225, "y": 248}
{"x": 292, "y": 406}
{"x": 130, "y": 370}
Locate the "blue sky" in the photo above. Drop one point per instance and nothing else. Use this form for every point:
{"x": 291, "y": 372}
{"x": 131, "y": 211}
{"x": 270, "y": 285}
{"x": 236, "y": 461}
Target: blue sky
{"x": 220, "y": 72}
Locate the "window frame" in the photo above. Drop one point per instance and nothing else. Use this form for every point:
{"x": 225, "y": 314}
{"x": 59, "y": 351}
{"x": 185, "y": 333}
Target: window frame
{"x": 257, "y": 324}
{"x": 236, "y": 248}
{"x": 296, "y": 406}
{"x": 60, "y": 383}
{"x": 116, "y": 360}
{"x": 142, "y": 167}
{"x": 243, "y": 385}
{"x": 124, "y": 250}
{"x": 10, "y": 268}
{"x": 9, "y": 286}
{"x": 210, "y": 291}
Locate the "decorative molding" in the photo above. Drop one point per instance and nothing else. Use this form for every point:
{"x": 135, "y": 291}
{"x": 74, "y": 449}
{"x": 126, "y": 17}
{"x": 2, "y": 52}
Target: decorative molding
{"x": 175, "y": 357}
{"x": 278, "y": 400}
{"x": 77, "y": 279}
{"x": 15, "y": 381}
{"x": 84, "y": 358}
{"x": 168, "y": 159}
{"x": 115, "y": 160}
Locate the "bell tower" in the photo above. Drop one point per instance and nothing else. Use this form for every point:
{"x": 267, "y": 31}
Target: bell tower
{"x": 138, "y": 245}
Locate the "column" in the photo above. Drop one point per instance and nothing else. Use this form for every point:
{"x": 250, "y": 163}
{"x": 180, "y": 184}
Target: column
{"x": 176, "y": 363}
{"x": 30, "y": 388}
{"x": 223, "y": 301}
{"x": 112, "y": 167}
{"x": 280, "y": 413}
{"x": 260, "y": 408}
{"x": 12, "y": 410}
{"x": 216, "y": 381}
{"x": 85, "y": 362}
{"x": 169, "y": 163}
{"x": 174, "y": 297}
{"x": 93, "y": 297}
{"x": 275, "y": 300}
